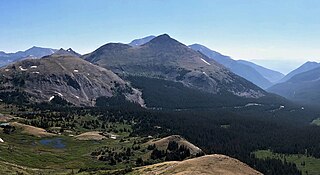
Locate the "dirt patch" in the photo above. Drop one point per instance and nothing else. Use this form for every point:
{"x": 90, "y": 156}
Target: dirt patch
{"x": 32, "y": 130}
{"x": 92, "y": 135}
{"x": 5, "y": 118}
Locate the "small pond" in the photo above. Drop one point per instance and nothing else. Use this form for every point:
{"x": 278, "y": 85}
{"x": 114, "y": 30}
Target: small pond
{"x": 54, "y": 142}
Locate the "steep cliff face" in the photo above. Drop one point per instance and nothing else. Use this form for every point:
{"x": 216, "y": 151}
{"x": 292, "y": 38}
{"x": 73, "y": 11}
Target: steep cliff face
{"x": 68, "y": 77}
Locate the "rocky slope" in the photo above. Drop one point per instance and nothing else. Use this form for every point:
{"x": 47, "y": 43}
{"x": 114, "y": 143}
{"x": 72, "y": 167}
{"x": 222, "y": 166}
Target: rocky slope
{"x": 68, "y": 77}
{"x": 166, "y": 58}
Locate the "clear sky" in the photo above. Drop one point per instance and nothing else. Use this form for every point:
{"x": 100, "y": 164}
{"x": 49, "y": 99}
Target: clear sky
{"x": 243, "y": 29}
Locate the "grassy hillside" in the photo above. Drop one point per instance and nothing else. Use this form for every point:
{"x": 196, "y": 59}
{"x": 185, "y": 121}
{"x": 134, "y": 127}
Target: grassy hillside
{"x": 308, "y": 165}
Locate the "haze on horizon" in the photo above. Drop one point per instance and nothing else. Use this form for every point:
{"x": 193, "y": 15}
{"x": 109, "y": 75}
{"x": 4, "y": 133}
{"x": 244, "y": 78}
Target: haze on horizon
{"x": 268, "y": 32}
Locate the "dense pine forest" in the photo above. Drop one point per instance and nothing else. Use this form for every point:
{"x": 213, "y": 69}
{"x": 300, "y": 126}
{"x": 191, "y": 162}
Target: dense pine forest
{"x": 214, "y": 131}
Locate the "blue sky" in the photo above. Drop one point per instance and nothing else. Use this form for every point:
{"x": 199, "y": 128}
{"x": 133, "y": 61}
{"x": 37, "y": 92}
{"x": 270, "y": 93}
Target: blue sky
{"x": 243, "y": 29}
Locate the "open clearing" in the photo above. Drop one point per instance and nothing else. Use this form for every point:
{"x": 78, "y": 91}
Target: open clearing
{"x": 308, "y": 165}
{"x": 92, "y": 135}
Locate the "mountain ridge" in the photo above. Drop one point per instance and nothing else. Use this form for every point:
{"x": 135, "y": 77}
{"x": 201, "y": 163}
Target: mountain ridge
{"x": 271, "y": 75}
{"x": 240, "y": 69}
{"x": 302, "y": 87}
{"x": 309, "y": 65}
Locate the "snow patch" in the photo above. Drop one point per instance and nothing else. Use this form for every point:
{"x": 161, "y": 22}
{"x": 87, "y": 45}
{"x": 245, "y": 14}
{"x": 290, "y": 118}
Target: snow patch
{"x": 33, "y": 67}
{"x": 36, "y": 72}
{"x": 7, "y": 70}
{"x": 1, "y": 140}
{"x": 248, "y": 105}
{"x": 205, "y": 61}
{"x": 59, "y": 94}
{"x": 51, "y": 98}
{"x": 253, "y": 104}
{"x": 22, "y": 69}
{"x": 205, "y": 73}
{"x": 75, "y": 70}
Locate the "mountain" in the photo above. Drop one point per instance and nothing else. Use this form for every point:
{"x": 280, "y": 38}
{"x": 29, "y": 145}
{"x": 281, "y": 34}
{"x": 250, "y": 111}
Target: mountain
{"x": 167, "y": 59}
{"x": 141, "y": 41}
{"x": 243, "y": 70}
{"x": 34, "y": 52}
{"x": 303, "y": 68}
{"x": 38, "y": 52}
{"x": 271, "y": 75}
{"x": 303, "y": 87}
{"x": 65, "y": 77}
{"x": 69, "y": 52}
{"x": 215, "y": 164}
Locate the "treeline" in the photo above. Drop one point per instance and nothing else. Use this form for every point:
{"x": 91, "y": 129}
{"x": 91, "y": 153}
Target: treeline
{"x": 243, "y": 135}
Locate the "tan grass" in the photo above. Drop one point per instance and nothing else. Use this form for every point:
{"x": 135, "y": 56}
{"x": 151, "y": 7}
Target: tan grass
{"x": 32, "y": 130}
{"x": 206, "y": 165}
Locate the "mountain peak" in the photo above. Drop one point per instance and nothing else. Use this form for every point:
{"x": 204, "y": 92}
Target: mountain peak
{"x": 163, "y": 40}
{"x": 310, "y": 62}
{"x": 69, "y": 52}
{"x": 163, "y": 37}
{"x": 141, "y": 41}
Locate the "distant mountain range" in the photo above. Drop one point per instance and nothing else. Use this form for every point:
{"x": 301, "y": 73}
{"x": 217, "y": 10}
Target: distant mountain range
{"x": 258, "y": 75}
{"x": 189, "y": 72}
{"x": 271, "y": 75}
{"x": 34, "y": 52}
{"x": 303, "y": 68}
{"x": 301, "y": 85}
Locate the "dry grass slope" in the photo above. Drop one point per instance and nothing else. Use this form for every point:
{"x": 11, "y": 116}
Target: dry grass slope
{"x": 92, "y": 135}
{"x": 162, "y": 144}
{"x": 206, "y": 165}
{"x": 31, "y": 130}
